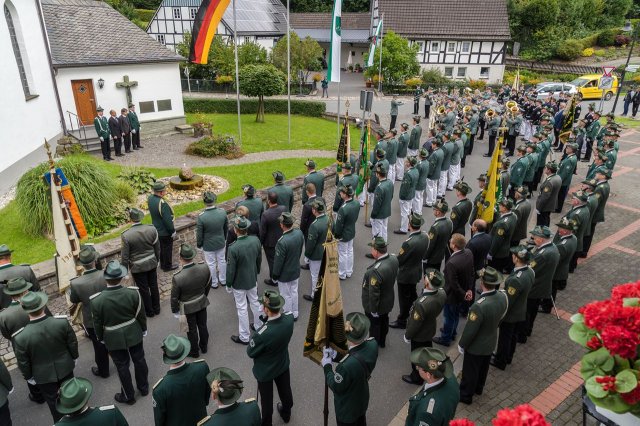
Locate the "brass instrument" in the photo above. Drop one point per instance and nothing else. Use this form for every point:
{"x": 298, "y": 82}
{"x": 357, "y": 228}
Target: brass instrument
{"x": 466, "y": 109}
{"x": 441, "y": 110}
{"x": 511, "y": 104}
{"x": 490, "y": 113}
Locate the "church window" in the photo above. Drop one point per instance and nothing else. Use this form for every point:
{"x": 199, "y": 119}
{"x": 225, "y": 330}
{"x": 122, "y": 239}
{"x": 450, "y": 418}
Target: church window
{"x": 177, "y": 14}
{"x": 18, "y": 47}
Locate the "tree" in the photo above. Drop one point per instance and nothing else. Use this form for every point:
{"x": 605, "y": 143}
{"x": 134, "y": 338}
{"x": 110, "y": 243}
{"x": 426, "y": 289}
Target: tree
{"x": 124, "y": 7}
{"x": 251, "y": 53}
{"x": 261, "y": 81}
{"x": 399, "y": 60}
{"x": 221, "y": 59}
{"x": 305, "y": 55}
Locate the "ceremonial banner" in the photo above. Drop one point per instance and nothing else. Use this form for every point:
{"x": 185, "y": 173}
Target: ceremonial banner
{"x": 364, "y": 173}
{"x": 333, "y": 72}
{"x": 204, "y": 28}
{"x": 492, "y": 191}
{"x": 70, "y": 200}
{"x": 568, "y": 119}
{"x": 516, "y": 81}
{"x": 374, "y": 43}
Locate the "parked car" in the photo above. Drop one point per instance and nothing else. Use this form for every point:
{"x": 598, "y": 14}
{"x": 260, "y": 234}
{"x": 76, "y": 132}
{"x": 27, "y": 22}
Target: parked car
{"x": 588, "y": 87}
{"x": 554, "y": 89}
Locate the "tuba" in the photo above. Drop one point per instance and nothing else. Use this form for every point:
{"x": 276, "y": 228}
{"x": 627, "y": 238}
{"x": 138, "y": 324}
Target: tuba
{"x": 490, "y": 113}
{"x": 441, "y": 110}
{"x": 466, "y": 109}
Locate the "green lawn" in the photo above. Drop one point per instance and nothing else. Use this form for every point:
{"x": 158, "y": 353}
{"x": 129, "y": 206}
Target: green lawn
{"x": 306, "y": 132}
{"x": 628, "y": 122}
{"x": 28, "y": 249}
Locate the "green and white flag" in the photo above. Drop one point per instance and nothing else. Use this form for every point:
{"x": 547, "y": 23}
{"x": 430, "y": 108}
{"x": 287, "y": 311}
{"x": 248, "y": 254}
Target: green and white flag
{"x": 374, "y": 42}
{"x": 336, "y": 39}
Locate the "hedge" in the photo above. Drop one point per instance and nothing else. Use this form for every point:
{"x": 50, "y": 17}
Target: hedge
{"x": 250, "y": 106}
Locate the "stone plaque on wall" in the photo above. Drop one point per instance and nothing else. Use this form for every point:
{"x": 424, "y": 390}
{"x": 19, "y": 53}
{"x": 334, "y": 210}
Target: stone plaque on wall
{"x": 146, "y": 107}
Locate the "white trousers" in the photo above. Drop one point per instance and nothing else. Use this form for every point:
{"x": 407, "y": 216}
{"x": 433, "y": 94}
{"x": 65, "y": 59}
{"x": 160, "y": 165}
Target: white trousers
{"x": 314, "y": 268}
{"x": 405, "y": 210}
{"x": 289, "y": 291}
{"x": 453, "y": 175}
{"x": 242, "y": 297}
{"x": 217, "y": 266}
{"x": 416, "y": 203}
{"x": 366, "y": 196}
{"x": 345, "y": 259}
{"x": 412, "y": 152}
{"x": 391, "y": 174}
{"x": 442, "y": 183}
{"x": 431, "y": 191}
{"x": 400, "y": 168}
{"x": 379, "y": 228}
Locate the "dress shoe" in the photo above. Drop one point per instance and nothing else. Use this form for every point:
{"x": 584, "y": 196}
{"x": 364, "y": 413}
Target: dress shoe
{"x": 285, "y": 417}
{"x": 140, "y": 146}
{"x": 493, "y": 361}
{"x": 368, "y": 225}
{"x": 119, "y": 155}
{"x": 441, "y": 341}
{"x": 400, "y": 232}
{"x": 96, "y": 372}
{"x": 466, "y": 401}
{"x": 269, "y": 281}
{"x": 408, "y": 379}
{"x": 144, "y": 392}
{"x": 193, "y": 355}
{"x": 304, "y": 266}
{"x": 486, "y": 155}
{"x": 427, "y": 205}
{"x": 398, "y": 324}
{"x": 369, "y": 255}
{"x": 295, "y": 319}
{"x": 236, "y": 339}
{"x": 307, "y": 297}
{"x": 544, "y": 310}
{"x": 109, "y": 159}
{"x": 150, "y": 315}
{"x": 203, "y": 350}
{"x": 119, "y": 397}
{"x": 36, "y": 400}
{"x": 128, "y": 152}
{"x": 135, "y": 148}
{"x": 215, "y": 286}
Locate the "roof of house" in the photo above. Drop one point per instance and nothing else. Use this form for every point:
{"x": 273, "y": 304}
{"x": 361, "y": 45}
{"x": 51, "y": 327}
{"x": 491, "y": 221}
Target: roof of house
{"x": 354, "y": 26}
{"x": 90, "y": 32}
{"x": 447, "y": 19}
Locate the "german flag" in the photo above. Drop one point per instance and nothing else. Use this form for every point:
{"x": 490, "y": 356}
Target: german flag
{"x": 204, "y": 28}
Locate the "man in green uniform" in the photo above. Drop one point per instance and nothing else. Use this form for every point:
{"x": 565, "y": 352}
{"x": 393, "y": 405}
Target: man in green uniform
{"x": 581, "y": 215}
{"x": 344, "y": 229}
{"x": 522, "y": 210}
{"x": 448, "y": 147}
{"x": 456, "y": 159}
{"x": 499, "y": 256}
{"x": 73, "y": 402}
{"x": 377, "y": 289}
{"x": 403, "y": 144}
{"x": 599, "y": 160}
{"x": 449, "y": 119}
{"x": 286, "y": 264}
{"x": 548, "y": 198}
{"x": 601, "y": 193}
{"x": 211, "y": 236}
{"x": 461, "y": 211}
{"x": 46, "y": 349}
{"x": 314, "y": 177}
{"x": 566, "y": 243}
{"x": 350, "y": 381}
{"x": 438, "y": 235}
{"x": 611, "y": 154}
{"x": 542, "y": 148}
{"x": 181, "y": 397}
{"x": 255, "y": 205}
{"x": 566, "y": 170}
{"x": 391, "y": 154}
{"x": 414, "y": 138}
{"x": 120, "y": 322}
{"x": 518, "y": 170}
{"x": 8, "y": 270}
{"x": 284, "y": 192}
{"x": 348, "y": 178}
{"x": 410, "y": 268}
{"x": 314, "y": 248}
{"x": 492, "y": 127}
{"x": 226, "y": 388}
{"x": 162, "y": 219}
{"x": 269, "y": 349}
{"x": 395, "y": 103}
{"x": 480, "y": 334}
{"x": 189, "y": 290}
{"x": 532, "y": 156}
{"x": 435, "y": 403}
{"x": 407, "y": 194}
{"x": 423, "y": 318}
{"x": 423, "y": 168}
{"x": 134, "y": 123}
{"x": 81, "y": 289}
{"x": 433, "y": 177}
{"x": 588, "y": 185}
{"x": 102, "y": 129}
{"x": 504, "y": 177}
{"x": 381, "y": 209}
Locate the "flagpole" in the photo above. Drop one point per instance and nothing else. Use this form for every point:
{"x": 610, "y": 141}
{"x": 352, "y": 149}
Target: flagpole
{"x": 288, "y": 76}
{"x": 380, "y": 66}
{"x": 235, "y": 52}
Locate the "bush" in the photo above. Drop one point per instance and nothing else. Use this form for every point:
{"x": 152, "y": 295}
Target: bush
{"x": 124, "y": 191}
{"x": 145, "y": 14}
{"x": 224, "y": 79}
{"x": 622, "y": 40}
{"x": 413, "y": 81}
{"x": 571, "y": 49}
{"x": 599, "y": 52}
{"x": 434, "y": 77}
{"x": 317, "y": 77}
{"x": 587, "y": 52}
{"x": 477, "y": 84}
{"x": 250, "y": 106}
{"x": 215, "y": 146}
{"x": 590, "y": 41}
{"x": 607, "y": 37}
{"x": 139, "y": 180}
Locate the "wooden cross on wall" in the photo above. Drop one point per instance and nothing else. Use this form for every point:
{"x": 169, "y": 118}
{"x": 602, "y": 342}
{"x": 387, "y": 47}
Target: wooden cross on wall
{"x": 127, "y": 85}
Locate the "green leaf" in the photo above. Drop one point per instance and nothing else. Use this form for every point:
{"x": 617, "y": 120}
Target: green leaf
{"x": 577, "y": 318}
{"x": 626, "y": 381}
{"x": 636, "y": 364}
{"x": 597, "y": 363}
{"x": 581, "y": 334}
{"x": 594, "y": 388}
{"x": 612, "y": 402}
{"x": 631, "y": 302}
{"x": 622, "y": 363}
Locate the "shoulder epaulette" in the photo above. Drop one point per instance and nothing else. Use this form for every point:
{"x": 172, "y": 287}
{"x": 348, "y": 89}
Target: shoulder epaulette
{"x": 288, "y": 313}
{"x": 60, "y": 316}
{"x": 16, "y": 333}
{"x": 262, "y": 329}
{"x": 95, "y": 295}
{"x": 74, "y": 278}
{"x": 203, "y": 421}
{"x": 158, "y": 382}
{"x": 201, "y": 263}
{"x": 249, "y": 400}
{"x": 480, "y": 300}
{"x": 197, "y": 360}
{"x": 133, "y": 287}
{"x": 106, "y": 407}
{"x": 345, "y": 357}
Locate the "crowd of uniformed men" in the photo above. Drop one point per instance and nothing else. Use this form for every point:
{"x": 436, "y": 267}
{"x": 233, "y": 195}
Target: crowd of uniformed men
{"x": 493, "y": 275}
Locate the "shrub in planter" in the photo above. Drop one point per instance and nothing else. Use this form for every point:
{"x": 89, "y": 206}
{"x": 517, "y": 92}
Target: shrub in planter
{"x": 215, "y": 146}
{"x": 250, "y": 106}
{"x": 588, "y": 52}
{"x": 569, "y": 50}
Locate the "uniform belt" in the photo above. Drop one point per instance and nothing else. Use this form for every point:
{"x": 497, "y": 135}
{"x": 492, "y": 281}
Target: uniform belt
{"x": 126, "y": 323}
{"x": 193, "y": 300}
{"x": 144, "y": 259}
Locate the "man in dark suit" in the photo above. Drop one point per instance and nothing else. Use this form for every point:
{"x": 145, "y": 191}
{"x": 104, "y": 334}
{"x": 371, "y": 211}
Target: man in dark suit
{"x": 479, "y": 244}
{"x": 126, "y": 129}
{"x": 307, "y": 217}
{"x": 116, "y": 132}
{"x": 270, "y": 230}
{"x": 458, "y": 284}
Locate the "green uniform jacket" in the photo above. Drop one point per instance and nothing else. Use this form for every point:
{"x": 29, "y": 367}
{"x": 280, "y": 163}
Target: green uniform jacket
{"x": 161, "y": 215}
{"x": 190, "y": 287}
{"x": 391, "y": 153}
{"x": 381, "y": 208}
{"x": 344, "y": 228}
{"x": 12, "y": 319}
{"x": 612, "y": 157}
{"x": 505, "y": 178}
{"x": 458, "y": 152}
{"x": 9, "y": 271}
{"x": 381, "y": 144}
{"x": 408, "y": 185}
{"x": 447, "y": 149}
{"x": 548, "y": 199}
{"x": 531, "y": 168}
{"x": 480, "y": 333}
{"x": 410, "y": 258}
{"x": 593, "y": 168}
{"x": 5, "y": 383}
{"x": 543, "y": 149}
{"x": 349, "y": 179}
{"x": 435, "y": 164}
{"x": 118, "y": 317}
{"x": 544, "y": 263}
{"x": 286, "y": 263}
{"x": 423, "y": 168}
{"x": 522, "y": 210}
{"x": 244, "y": 413}
{"x": 211, "y": 229}
{"x": 439, "y": 235}
{"x": 243, "y": 262}
{"x": 434, "y": 406}
{"x": 373, "y": 179}
{"x": 473, "y": 123}
{"x": 350, "y": 381}
{"x": 133, "y": 121}
{"x": 593, "y": 129}
{"x": 517, "y": 286}
{"x": 82, "y": 288}
{"x": 449, "y": 121}
{"x": 414, "y": 139}
{"x": 602, "y": 194}
{"x": 269, "y": 347}
{"x": 460, "y": 214}
{"x": 423, "y": 315}
{"x": 477, "y": 203}
{"x": 181, "y": 397}
{"x": 566, "y": 168}
{"x": 255, "y": 207}
{"x": 518, "y": 171}
{"x": 315, "y": 178}
{"x": 285, "y": 195}
{"x": 317, "y": 236}
{"x": 566, "y": 248}
{"x": 109, "y": 415}
{"x": 102, "y": 127}
{"x": 403, "y": 144}
{"x": 140, "y": 248}
{"x": 502, "y": 234}
{"x": 592, "y": 205}
{"x": 581, "y": 215}
{"x": 378, "y": 283}
{"x": 46, "y": 349}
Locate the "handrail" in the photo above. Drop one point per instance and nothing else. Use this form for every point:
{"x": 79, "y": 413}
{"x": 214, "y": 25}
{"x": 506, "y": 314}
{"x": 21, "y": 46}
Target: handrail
{"x": 81, "y": 129}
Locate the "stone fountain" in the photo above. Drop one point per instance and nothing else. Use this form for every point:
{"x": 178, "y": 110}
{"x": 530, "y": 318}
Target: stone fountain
{"x": 186, "y": 180}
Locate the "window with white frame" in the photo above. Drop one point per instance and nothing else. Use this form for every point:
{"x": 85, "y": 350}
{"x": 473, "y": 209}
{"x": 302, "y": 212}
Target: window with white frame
{"x": 420, "y": 45}
{"x": 177, "y": 14}
{"x": 247, "y": 39}
{"x": 466, "y": 46}
{"x": 451, "y": 47}
{"x": 193, "y": 11}
{"x": 435, "y": 46}
{"x": 462, "y": 72}
{"x": 484, "y": 72}
{"x": 448, "y": 72}
{"x": 161, "y": 38}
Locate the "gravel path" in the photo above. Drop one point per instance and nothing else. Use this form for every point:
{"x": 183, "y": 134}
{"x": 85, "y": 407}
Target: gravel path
{"x": 168, "y": 151}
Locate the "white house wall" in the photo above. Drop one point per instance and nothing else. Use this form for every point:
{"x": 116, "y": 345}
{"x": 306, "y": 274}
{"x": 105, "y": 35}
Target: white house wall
{"x": 492, "y": 74}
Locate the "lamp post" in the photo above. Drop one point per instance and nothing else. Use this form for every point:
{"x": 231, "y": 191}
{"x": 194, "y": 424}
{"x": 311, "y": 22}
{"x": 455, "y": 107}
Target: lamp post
{"x": 627, "y": 28}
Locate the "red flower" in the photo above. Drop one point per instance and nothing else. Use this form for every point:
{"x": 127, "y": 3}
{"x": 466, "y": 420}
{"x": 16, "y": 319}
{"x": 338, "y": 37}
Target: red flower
{"x": 620, "y": 341}
{"x": 594, "y": 343}
{"x": 627, "y": 317}
{"x": 461, "y": 422}
{"x": 632, "y": 397}
{"x": 623, "y": 291}
{"x": 522, "y": 415}
{"x": 608, "y": 383}
{"x": 598, "y": 314}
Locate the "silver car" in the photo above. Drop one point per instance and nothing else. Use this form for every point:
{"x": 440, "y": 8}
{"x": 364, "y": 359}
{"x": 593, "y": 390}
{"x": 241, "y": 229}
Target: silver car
{"x": 547, "y": 90}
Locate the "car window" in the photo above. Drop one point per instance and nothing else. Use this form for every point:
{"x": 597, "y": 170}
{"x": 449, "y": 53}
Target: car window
{"x": 579, "y": 82}
{"x": 592, "y": 83}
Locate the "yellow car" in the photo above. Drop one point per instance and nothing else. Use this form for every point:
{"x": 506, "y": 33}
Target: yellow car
{"x": 587, "y": 87}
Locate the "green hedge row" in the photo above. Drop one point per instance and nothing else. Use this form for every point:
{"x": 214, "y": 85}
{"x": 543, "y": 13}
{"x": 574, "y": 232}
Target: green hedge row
{"x": 250, "y": 106}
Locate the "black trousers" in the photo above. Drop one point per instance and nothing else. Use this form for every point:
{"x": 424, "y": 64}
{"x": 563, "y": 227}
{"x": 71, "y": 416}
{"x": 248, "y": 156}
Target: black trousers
{"x": 147, "y": 282}
{"x": 434, "y": 265}
{"x": 481, "y": 124}
{"x": 50, "y": 394}
{"x": 547, "y": 304}
{"x": 562, "y": 195}
{"x": 406, "y": 296}
{"x": 270, "y": 254}
{"x": 492, "y": 142}
{"x": 122, "y": 358}
{"x": 573, "y": 263}
{"x": 529, "y": 185}
{"x": 427, "y": 111}
{"x": 117, "y": 145}
{"x": 392, "y": 125}
{"x": 35, "y": 392}
{"x": 506, "y": 344}
{"x": 414, "y": 371}
{"x": 501, "y": 264}
{"x": 126, "y": 139}
{"x": 587, "y": 239}
{"x": 166, "y": 252}
{"x": 283, "y": 384}
{"x": 634, "y": 109}
{"x": 5, "y": 415}
{"x": 416, "y": 107}
{"x": 362, "y": 421}
{"x": 543, "y": 219}
{"x": 587, "y": 154}
{"x": 101, "y": 355}
{"x": 471, "y": 141}
{"x": 135, "y": 139}
{"x": 105, "y": 147}
{"x": 474, "y": 375}
{"x": 532, "y": 313}
{"x": 511, "y": 144}
{"x": 198, "y": 333}
{"x": 379, "y": 328}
